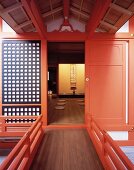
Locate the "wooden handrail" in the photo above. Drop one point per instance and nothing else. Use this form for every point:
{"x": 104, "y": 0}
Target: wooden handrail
{"x": 22, "y": 149}
{"x": 5, "y": 125}
{"x": 107, "y": 147}
{"x": 118, "y": 151}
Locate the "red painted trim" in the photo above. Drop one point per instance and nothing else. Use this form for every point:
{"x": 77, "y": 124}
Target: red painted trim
{"x": 119, "y": 127}
{"x": 31, "y": 8}
{"x": 66, "y": 36}
{"x": 131, "y": 134}
{"x": 0, "y": 24}
{"x": 125, "y": 142}
{"x": 131, "y": 82}
{"x": 87, "y": 84}
{"x": 107, "y": 36}
{"x": 44, "y": 70}
{"x": 24, "y": 36}
{"x": 99, "y": 10}
{"x": 131, "y": 25}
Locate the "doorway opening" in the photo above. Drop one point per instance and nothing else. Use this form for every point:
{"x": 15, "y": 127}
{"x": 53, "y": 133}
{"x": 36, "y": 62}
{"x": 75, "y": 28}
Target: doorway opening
{"x": 66, "y": 74}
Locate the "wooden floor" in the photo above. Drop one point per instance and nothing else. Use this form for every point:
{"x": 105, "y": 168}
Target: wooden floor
{"x": 73, "y": 113}
{"x": 66, "y": 149}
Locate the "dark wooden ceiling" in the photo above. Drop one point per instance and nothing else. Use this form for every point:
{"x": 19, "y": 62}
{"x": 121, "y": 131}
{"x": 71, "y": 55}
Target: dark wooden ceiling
{"x": 17, "y": 15}
{"x": 65, "y": 52}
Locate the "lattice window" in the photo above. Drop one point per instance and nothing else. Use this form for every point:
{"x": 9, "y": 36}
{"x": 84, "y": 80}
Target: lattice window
{"x": 21, "y": 71}
{"x": 21, "y": 110}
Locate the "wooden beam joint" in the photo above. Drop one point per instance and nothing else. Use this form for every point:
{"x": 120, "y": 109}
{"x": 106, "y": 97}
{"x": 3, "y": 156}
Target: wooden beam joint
{"x": 98, "y": 12}
{"x": 33, "y": 11}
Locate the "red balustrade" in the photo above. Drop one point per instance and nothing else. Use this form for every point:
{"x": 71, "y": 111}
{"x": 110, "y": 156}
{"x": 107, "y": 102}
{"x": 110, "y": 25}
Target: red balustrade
{"x": 23, "y": 153}
{"x": 111, "y": 155}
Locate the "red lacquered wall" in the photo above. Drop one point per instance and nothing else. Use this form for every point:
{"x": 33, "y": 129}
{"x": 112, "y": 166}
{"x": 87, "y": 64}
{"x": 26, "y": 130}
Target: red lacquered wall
{"x": 105, "y": 90}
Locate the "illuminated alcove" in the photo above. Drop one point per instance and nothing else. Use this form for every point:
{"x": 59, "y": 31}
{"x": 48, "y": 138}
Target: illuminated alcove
{"x": 71, "y": 79}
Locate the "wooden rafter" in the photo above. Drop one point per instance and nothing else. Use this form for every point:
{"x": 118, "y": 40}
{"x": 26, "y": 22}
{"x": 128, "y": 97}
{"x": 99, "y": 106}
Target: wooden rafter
{"x": 11, "y": 8}
{"x": 81, "y": 4}
{"x": 75, "y": 5}
{"x": 108, "y": 25}
{"x": 23, "y": 24}
{"x": 51, "y": 7}
{"x": 32, "y": 10}
{"x": 17, "y": 27}
{"x": 46, "y": 14}
{"x": 123, "y": 19}
{"x": 100, "y": 30}
{"x": 79, "y": 12}
{"x": 10, "y": 20}
{"x": 120, "y": 9}
{"x": 99, "y": 10}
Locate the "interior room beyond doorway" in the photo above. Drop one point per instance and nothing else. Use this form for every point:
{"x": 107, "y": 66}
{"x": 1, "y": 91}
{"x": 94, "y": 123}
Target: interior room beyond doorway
{"x": 66, "y": 74}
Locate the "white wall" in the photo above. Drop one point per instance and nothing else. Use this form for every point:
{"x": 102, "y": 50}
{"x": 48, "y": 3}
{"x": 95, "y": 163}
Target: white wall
{"x": 118, "y": 135}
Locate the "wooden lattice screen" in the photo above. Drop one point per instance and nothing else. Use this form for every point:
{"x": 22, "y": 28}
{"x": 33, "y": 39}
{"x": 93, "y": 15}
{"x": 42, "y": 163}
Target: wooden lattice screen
{"x": 21, "y": 75}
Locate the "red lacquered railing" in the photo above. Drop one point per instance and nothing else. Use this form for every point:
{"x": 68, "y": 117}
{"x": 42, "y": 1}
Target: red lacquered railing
{"x": 15, "y": 125}
{"x": 112, "y": 157}
{"x": 23, "y": 153}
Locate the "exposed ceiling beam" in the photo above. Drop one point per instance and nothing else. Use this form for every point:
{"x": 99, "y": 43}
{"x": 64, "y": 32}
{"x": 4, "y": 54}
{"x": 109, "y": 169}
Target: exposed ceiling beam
{"x": 52, "y": 12}
{"x": 32, "y": 29}
{"x": 77, "y": 6}
{"x": 51, "y": 7}
{"x": 43, "y": 15}
{"x": 120, "y": 9}
{"x": 11, "y": 8}
{"x": 108, "y": 25}
{"x": 32, "y": 10}
{"x": 81, "y": 4}
{"x": 11, "y": 22}
{"x": 100, "y": 30}
{"x": 99, "y": 10}
{"x": 23, "y": 24}
{"x": 79, "y": 12}
{"x": 66, "y": 6}
{"x": 123, "y": 19}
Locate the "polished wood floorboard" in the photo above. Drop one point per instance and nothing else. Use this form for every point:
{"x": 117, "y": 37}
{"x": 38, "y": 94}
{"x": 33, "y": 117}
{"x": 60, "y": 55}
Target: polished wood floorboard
{"x": 73, "y": 113}
{"x": 66, "y": 149}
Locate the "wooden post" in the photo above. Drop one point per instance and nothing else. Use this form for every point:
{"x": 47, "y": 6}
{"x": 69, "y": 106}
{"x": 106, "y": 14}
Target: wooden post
{"x": 3, "y": 125}
{"x": 0, "y": 69}
{"x": 44, "y": 69}
{"x": 131, "y": 83}
{"x": 87, "y": 81}
{"x": 131, "y": 25}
